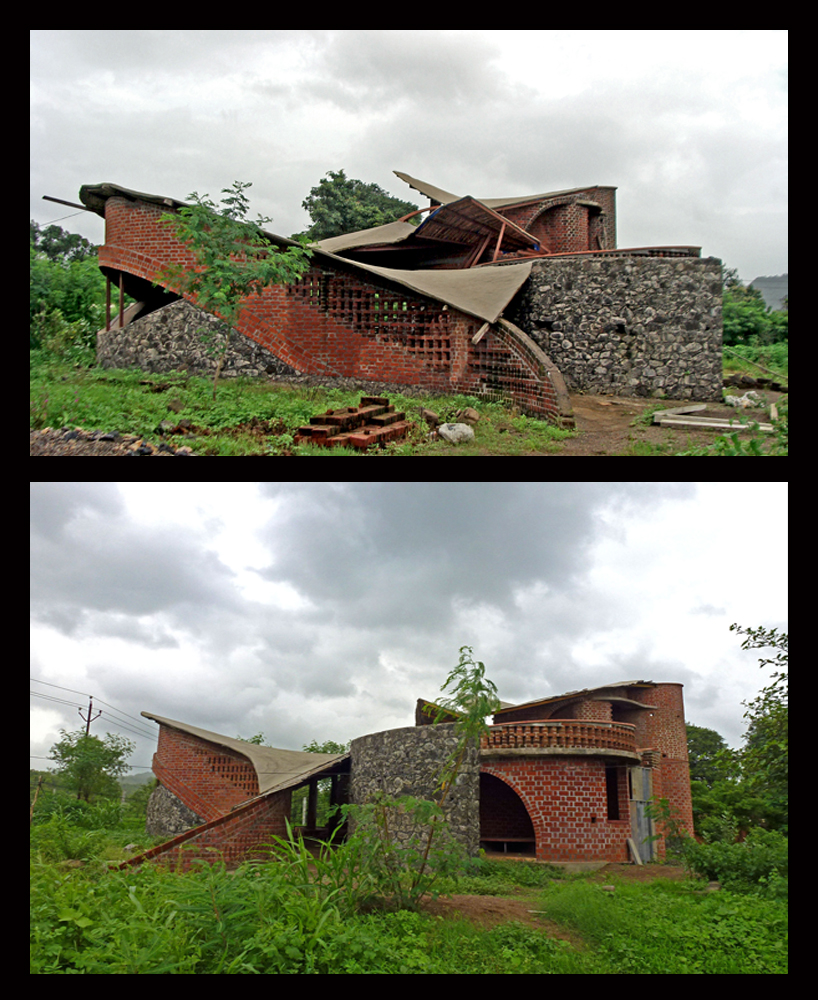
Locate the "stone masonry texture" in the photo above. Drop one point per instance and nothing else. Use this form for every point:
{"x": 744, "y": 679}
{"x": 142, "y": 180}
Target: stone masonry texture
{"x": 628, "y": 326}
{"x": 407, "y": 762}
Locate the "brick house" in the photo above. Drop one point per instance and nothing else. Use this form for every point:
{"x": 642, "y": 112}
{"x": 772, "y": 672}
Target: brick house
{"x": 439, "y": 304}
{"x": 565, "y": 778}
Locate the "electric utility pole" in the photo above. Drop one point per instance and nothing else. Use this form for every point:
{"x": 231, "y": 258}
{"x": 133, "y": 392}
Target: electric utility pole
{"x": 91, "y": 716}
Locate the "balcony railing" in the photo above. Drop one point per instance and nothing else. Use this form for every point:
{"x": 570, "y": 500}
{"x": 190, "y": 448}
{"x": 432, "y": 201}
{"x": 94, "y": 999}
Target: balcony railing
{"x": 571, "y": 734}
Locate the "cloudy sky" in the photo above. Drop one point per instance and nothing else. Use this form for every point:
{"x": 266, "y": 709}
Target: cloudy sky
{"x": 315, "y": 611}
{"x": 689, "y": 125}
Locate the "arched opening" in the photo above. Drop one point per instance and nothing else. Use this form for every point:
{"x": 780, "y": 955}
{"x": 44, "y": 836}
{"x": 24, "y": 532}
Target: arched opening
{"x": 505, "y": 825}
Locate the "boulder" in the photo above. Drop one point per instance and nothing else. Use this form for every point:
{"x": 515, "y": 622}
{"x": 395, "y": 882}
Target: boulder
{"x": 455, "y": 433}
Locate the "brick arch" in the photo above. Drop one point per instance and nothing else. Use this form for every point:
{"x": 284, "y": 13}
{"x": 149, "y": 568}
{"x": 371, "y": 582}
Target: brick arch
{"x": 336, "y": 320}
{"x": 532, "y": 810}
{"x": 503, "y": 814}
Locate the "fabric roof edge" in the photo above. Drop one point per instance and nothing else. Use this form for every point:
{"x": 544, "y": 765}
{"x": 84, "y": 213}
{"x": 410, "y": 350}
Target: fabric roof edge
{"x": 467, "y": 290}
{"x": 276, "y": 769}
{"x": 444, "y": 197}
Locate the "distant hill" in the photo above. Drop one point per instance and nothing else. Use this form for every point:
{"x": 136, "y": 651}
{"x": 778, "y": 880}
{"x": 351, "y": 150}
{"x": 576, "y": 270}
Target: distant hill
{"x": 772, "y": 288}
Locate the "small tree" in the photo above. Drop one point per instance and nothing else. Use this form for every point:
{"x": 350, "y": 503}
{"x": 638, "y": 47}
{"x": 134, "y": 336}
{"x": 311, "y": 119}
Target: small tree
{"x": 340, "y": 204}
{"x": 405, "y": 865}
{"x": 90, "y": 764}
{"x": 234, "y": 257}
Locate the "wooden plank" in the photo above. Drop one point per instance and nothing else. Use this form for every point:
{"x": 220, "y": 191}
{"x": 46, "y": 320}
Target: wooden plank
{"x": 634, "y": 853}
{"x": 711, "y": 424}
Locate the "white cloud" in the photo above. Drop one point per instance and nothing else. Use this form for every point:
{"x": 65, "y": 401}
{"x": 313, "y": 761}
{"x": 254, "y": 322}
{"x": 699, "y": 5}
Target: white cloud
{"x": 690, "y": 125}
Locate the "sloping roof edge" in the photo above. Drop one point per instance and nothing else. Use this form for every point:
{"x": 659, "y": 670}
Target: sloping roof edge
{"x": 438, "y": 194}
{"x": 570, "y": 695}
{"x": 483, "y": 292}
{"x": 276, "y": 769}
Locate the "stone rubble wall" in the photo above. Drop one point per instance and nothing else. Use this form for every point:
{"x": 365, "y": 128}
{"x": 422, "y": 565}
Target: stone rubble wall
{"x": 171, "y": 338}
{"x": 628, "y": 326}
{"x": 167, "y": 815}
{"x": 407, "y": 762}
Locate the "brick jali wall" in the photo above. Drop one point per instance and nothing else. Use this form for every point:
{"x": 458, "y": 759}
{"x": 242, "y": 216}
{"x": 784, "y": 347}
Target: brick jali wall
{"x": 332, "y": 322}
{"x": 209, "y": 779}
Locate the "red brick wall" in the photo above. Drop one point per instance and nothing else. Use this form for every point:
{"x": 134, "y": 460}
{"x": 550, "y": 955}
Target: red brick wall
{"x": 332, "y": 322}
{"x": 665, "y": 732}
{"x": 561, "y": 225}
{"x": 232, "y": 838}
{"x": 208, "y": 778}
{"x": 565, "y": 798}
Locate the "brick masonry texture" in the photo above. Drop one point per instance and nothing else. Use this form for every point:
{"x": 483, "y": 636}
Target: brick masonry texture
{"x": 572, "y": 798}
{"x": 629, "y": 326}
{"x": 331, "y": 322}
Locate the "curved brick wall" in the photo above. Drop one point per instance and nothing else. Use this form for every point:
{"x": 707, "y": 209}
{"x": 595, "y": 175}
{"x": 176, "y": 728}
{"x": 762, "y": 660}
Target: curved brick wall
{"x": 565, "y": 798}
{"x": 209, "y": 779}
{"x": 332, "y": 322}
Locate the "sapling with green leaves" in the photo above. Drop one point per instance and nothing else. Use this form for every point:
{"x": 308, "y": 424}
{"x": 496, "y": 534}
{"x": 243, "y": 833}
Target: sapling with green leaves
{"x": 234, "y": 257}
{"x": 472, "y": 697}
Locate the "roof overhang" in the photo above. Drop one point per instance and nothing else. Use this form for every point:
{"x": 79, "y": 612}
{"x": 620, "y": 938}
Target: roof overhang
{"x": 482, "y": 293}
{"x": 444, "y": 197}
{"x": 276, "y": 769}
{"x": 588, "y": 693}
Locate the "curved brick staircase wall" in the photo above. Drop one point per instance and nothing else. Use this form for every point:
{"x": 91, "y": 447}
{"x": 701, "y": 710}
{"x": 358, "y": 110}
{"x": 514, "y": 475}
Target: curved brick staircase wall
{"x": 333, "y": 322}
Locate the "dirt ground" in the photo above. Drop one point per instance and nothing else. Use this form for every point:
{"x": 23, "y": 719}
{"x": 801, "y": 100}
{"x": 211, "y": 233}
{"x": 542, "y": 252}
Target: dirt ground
{"x": 488, "y": 911}
{"x": 604, "y": 423}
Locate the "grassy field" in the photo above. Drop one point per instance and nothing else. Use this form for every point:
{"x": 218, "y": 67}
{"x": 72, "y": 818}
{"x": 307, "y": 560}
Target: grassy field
{"x": 258, "y": 417}
{"x": 253, "y": 417}
{"x": 258, "y": 920}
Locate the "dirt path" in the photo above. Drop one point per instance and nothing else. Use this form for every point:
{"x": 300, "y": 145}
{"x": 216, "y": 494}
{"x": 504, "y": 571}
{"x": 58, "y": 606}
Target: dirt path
{"x": 604, "y": 423}
{"x": 488, "y": 911}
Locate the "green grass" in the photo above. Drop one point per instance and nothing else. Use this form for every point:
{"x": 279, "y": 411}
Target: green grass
{"x": 269, "y": 918}
{"x": 252, "y": 417}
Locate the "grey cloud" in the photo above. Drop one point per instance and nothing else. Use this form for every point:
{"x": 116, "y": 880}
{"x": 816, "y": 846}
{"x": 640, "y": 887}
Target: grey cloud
{"x": 85, "y": 556}
{"x": 403, "y": 552}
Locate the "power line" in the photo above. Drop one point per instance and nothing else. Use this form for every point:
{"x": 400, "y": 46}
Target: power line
{"x": 143, "y": 730}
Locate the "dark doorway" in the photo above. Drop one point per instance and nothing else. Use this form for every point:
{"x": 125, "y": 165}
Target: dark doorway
{"x": 505, "y": 825}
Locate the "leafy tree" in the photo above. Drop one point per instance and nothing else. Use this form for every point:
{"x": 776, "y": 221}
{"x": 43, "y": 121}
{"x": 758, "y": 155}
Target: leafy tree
{"x": 711, "y": 760}
{"x": 338, "y": 204}
{"x": 234, "y": 257}
{"x": 60, "y": 246}
{"x": 746, "y": 316}
{"x": 328, "y": 746}
{"x": 66, "y": 289}
{"x": 89, "y": 765}
{"x": 765, "y": 758}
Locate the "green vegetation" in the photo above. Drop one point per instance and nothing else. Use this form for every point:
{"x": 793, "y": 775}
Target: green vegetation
{"x": 279, "y": 916}
{"x": 339, "y": 204}
{"x": 735, "y": 791}
{"x": 250, "y": 416}
{"x": 234, "y": 258}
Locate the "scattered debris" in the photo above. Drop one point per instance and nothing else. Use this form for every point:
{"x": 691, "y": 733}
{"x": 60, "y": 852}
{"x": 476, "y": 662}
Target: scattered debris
{"x": 375, "y": 421}
{"x": 678, "y": 416}
{"x": 750, "y": 398}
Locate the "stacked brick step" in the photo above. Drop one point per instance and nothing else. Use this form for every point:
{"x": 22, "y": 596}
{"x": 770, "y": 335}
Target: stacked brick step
{"x": 375, "y": 421}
